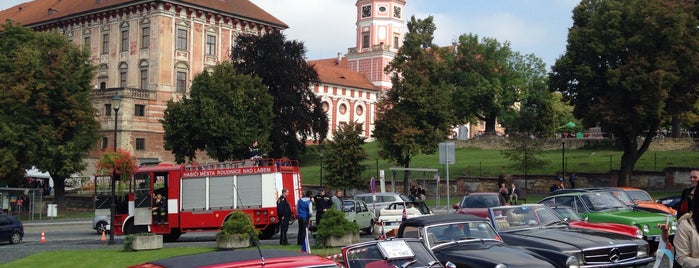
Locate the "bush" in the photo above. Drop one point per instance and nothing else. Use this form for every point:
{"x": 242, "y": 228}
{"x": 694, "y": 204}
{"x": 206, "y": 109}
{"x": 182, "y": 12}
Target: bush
{"x": 238, "y": 223}
{"x": 334, "y": 224}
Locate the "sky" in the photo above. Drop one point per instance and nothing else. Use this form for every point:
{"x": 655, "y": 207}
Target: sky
{"x": 327, "y": 27}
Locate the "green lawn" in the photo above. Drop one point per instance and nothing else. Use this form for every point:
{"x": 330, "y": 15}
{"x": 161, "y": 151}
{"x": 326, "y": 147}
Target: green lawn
{"x": 118, "y": 258}
{"x": 490, "y": 163}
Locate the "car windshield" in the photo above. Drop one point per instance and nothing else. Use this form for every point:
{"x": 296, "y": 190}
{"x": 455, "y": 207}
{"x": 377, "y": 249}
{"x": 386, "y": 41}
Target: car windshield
{"x": 369, "y": 255}
{"x": 601, "y": 201}
{"x": 457, "y": 231}
{"x": 524, "y": 217}
{"x": 639, "y": 195}
{"x": 623, "y": 197}
{"x": 568, "y": 213}
{"x": 480, "y": 201}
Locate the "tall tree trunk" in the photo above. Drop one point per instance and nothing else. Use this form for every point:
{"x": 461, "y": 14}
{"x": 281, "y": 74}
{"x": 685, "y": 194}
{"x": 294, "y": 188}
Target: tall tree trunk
{"x": 676, "y": 125}
{"x": 59, "y": 190}
{"x": 406, "y": 175}
{"x": 490, "y": 125}
{"x": 632, "y": 152}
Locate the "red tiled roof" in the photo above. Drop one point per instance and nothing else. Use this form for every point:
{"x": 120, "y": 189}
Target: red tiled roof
{"x": 331, "y": 72}
{"x": 37, "y": 11}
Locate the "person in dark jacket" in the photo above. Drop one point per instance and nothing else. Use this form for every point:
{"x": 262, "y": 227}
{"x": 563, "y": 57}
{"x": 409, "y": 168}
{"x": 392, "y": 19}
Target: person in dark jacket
{"x": 284, "y": 213}
{"x": 159, "y": 209}
{"x": 322, "y": 202}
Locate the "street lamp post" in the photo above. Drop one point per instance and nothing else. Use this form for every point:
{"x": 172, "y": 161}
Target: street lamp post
{"x": 563, "y": 160}
{"x": 116, "y": 102}
{"x": 321, "y": 168}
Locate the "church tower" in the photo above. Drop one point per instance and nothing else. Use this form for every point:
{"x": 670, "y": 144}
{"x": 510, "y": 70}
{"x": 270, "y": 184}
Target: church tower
{"x": 379, "y": 35}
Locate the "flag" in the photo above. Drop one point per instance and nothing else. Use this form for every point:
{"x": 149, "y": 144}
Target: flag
{"x": 405, "y": 213}
{"x": 383, "y": 233}
{"x": 306, "y": 246}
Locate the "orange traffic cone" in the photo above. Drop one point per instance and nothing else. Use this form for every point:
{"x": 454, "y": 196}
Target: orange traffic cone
{"x": 43, "y": 237}
{"x": 103, "y": 237}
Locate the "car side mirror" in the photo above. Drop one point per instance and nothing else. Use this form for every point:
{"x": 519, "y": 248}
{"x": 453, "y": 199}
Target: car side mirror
{"x": 456, "y": 206}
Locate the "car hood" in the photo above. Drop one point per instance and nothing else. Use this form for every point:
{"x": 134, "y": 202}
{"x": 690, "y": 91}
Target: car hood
{"x": 488, "y": 254}
{"x": 480, "y": 212}
{"x": 564, "y": 239}
{"x": 627, "y": 216}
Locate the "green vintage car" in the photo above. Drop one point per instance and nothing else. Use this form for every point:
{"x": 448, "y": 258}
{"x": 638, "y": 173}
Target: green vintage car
{"x": 604, "y": 207}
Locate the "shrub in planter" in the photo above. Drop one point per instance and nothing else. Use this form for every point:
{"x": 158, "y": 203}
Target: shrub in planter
{"x": 237, "y": 228}
{"x": 334, "y": 225}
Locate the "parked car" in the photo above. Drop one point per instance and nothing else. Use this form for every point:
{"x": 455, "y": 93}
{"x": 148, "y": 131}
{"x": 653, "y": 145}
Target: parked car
{"x": 11, "y": 229}
{"x": 471, "y": 241}
{"x": 408, "y": 252}
{"x": 644, "y": 200}
{"x": 537, "y": 226}
{"x": 602, "y": 207}
{"x": 378, "y": 201}
{"x": 100, "y": 223}
{"x": 478, "y": 203}
{"x": 575, "y": 221}
{"x": 623, "y": 194}
{"x": 269, "y": 258}
{"x": 671, "y": 201}
{"x": 391, "y": 217}
{"x": 357, "y": 211}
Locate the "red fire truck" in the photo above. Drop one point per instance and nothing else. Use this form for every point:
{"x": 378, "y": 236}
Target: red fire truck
{"x": 201, "y": 196}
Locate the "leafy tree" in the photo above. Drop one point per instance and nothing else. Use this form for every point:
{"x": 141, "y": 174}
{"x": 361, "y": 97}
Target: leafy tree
{"x": 223, "y": 115}
{"x": 626, "y": 61}
{"x": 415, "y": 114}
{"x": 490, "y": 79}
{"x": 345, "y": 155}
{"x": 281, "y": 64}
{"x": 47, "y": 117}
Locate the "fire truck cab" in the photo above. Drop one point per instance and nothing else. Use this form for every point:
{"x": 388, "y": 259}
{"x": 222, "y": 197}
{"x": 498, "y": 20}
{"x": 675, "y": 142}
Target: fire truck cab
{"x": 200, "y": 197}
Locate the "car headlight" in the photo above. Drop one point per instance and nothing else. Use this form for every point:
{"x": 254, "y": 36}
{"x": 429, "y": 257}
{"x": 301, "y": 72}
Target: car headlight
{"x": 500, "y": 265}
{"x": 639, "y": 234}
{"x": 572, "y": 262}
{"x": 449, "y": 265}
{"x": 673, "y": 226}
{"x": 646, "y": 228}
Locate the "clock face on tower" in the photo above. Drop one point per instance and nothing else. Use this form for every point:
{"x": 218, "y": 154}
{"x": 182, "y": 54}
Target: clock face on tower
{"x": 396, "y": 12}
{"x": 366, "y": 11}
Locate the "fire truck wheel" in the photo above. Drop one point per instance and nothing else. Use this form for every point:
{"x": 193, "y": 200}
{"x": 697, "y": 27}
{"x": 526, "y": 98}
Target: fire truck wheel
{"x": 173, "y": 235}
{"x": 269, "y": 232}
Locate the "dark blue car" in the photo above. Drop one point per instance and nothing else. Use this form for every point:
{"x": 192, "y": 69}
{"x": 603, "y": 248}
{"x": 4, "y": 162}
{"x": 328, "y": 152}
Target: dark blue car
{"x": 11, "y": 229}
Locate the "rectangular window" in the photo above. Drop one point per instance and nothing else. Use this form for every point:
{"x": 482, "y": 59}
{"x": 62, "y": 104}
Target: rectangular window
{"x": 181, "y": 39}
{"x": 105, "y": 143}
{"x": 86, "y": 41}
{"x": 140, "y": 110}
{"x": 108, "y": 109}
{"x": 122, "y": 78}
{"x": 145, "y": 37}
{"x": 396, "y": 39}
{"x": 144, "y": 79}
{"x": 140, "y": 144}
{"x": 365, "y": 40}
{"x": 105, "y": 43}
{"x": 124, "y": 40}
{"x": 181, "y": 82}
{"x": 210, "y": 45}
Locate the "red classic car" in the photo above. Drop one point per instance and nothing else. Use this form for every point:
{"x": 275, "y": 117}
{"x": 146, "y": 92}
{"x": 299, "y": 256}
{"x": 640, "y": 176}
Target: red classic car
{"x": 244, "y": 258}
{"x": 478, "y": 203}
{"x": 575, "y": 221}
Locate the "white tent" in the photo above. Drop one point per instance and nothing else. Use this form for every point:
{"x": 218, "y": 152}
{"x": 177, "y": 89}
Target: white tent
{"x": 35, "y": 173}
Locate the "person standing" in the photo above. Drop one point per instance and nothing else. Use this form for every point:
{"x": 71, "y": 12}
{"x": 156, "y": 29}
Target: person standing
{"x": 304, "y": 209}
{"x": 683, "y": 208}
{"x": 284, "y": 213}
{"x": 572, "y": 180}
{"x": 558, "y": 186}
{"x": 686, "y": 239}
{"x": 322, "y": 202}
{"x": 421, "y": 193}
{"x": 503, "y": 192}
{"x": 337, "y": 200}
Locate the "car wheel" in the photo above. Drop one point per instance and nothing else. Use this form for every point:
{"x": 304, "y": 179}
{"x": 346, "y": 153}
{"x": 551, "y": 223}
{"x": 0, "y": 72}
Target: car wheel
{"x": 15, "y": 238}
{"x": 101, "y": 227}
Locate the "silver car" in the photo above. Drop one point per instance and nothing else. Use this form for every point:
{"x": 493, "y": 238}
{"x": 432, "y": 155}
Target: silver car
{"x": 378, "y": 201}
{"x": 100, "y": 223}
